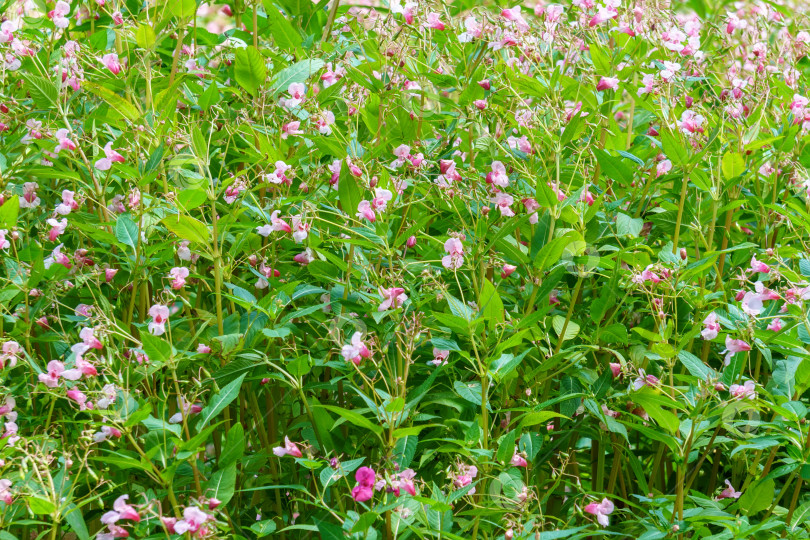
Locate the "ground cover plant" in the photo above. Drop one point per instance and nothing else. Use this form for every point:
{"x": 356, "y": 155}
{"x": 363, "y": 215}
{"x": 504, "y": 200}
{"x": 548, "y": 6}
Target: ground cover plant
{"x": 298, "y": 269}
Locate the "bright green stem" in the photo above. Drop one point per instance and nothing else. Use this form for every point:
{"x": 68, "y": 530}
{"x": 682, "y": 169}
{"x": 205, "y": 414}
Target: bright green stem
{"x": 675, "y": 238}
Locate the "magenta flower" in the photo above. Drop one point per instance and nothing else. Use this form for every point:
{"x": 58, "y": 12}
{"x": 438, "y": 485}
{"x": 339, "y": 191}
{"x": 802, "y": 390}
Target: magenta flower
{"x": 365, "y": 211}
{"x": 64, "y": 140}
{"x": 776, "y": 325}
{"x": 518, "y": 460}
{"x": 498, "y": 175}
{"x": 601, "y": 510}
{"x": 507, "y": 271}
{"x": 364, "y": 489}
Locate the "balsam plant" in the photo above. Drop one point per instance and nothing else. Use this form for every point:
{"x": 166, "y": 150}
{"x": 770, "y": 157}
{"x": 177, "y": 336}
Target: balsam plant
{"x": 404, "y": 270}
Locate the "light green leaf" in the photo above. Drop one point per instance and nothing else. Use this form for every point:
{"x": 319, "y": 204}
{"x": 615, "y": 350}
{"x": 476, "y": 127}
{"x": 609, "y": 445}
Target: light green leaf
{"x": 220, "y": 401}
{"x": 126, "y": 231}
{"x": 187, "y": 228}
{"x": 249, "y": 69}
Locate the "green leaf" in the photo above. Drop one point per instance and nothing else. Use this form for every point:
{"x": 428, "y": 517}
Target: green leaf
{"x": 126, "y": 231}
{"x": 43, "y": 91}
{"x": 627, "y": 226}
{"x": 615, "y": 333}
{"x": 551, "y": 253}
{"x": 234, "y": 447}
{"x": 491, "y": 304}
{"x": 298, "y": 72}
{"x": 348, "y": 192}
{"x": 187, "y": 228}
{"x": 285, "y": 36}
{"x": 74, "y": 518}
{"x": 157, "y": 349}
{"x": 758, "y": 496}
{"x": 355, "y": 418}
{"x": 183, "y": 9}
{"x": 39, "y": 505}
{"x": 9, "y": 212}
{"x": 263, "y": 528}
{"x": 221, "y": 484}
{"x": 145, "y": 36}
{"x": 694, "y": 365}
{"x": 733, "y": 165}
{"x": 124, "y": 107}
{"x": 506, "y": 448}
{"x": 330, "y": 531}
{"x": 571, "y": 330}
{"x": 209, "y": 98}
{"x": 249, "y": 69}
{"x": 674, "y": 148}
{"x": 220, "y": 401}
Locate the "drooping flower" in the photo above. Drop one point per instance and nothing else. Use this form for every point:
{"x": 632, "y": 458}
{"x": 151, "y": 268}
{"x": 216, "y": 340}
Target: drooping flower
{"x": 178, "y": 276}
{"x": 393, "y": 298}
{"x": 356, "y": 350}
{"x": 289, "y": 449}
{"x": 729, "y": 492}
{"x": 439, "y": 356}
{"x": 747, "y": 390}
{"x": 734, "y": 346}
{"x": 607, "y": 83}
{"x": 455, "y": 254}
{"x": 711, "y": 326}
{"x": 760, "y": 267}
{"x": 498, "y": 175}
{"x": 110, "y": 157}
{"x": 193, "y": 520}
{"x": 111, "y": 62}
{"x": 601, "y": 510}
{"x": 159, "y": 314}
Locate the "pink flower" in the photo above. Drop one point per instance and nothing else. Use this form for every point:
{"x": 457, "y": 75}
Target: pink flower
{"x": 68, "y": 203}
{"x": 202, "y": 348}
{"x": 5, "y": 491}
{"x": 89, "y": 338}
{"x": 601, "y": 510}
{"x": 121, "y": 510}
{"x": 507, "y": 270}
{"x": 498, "y": 175}
{"x": 178, "y": 276}
{"x": 300, "y": 228}
{"x": 364, "y": 489}
{"x": 291, "y": 129}
{"x": 518, "y": 460}
{"x": 691, "y": 122}
{"x": 4, "y": 243}
{"x": 663, "y": 168}
{"x": 365, "y": 211}
{"x": 711, "y": 326}
{"x": 356, "y": 350}
{"x": 439, "y": 357}
{"x": 604, "y": 14}
{"x": 729, "y": 492}
{"x": 393, "y": 298}
{"x": 305, "y": 257}
{"x": 289, "y": 449}
{"x": 504, "y": 202}
{"x": 455, "y": 254}
{"x": 474, "y": 29}
{"x": 615, "y": 369}
{"x": 480, "y": 104}
{"x": 433, "y": 21}
{"x": 645, "y": 380}
{"x": 746, "y": 390}
{"x": 111, "y": 156}
{"x": 404, "y": 480}
{"x": 64, "y": 140}
{"x": 193, "y": 519}
{"x": 465, "y": 476}
{"x": 56, "y": 369}
{"x": 159, "y": 314}
{"x": 110, "y": 61}
{"x": 57, "y": 228}
{"x": 57, "y": 15}
{"x": 734, "y": 346}
{"x": 607, "y": 83}
{"x": 587, "y": 197}
{"x": 776, "y": 325}
{"x": 297, "y": 92}
{"x": 57, "y": 257}
{"x": 757, "y": 266}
